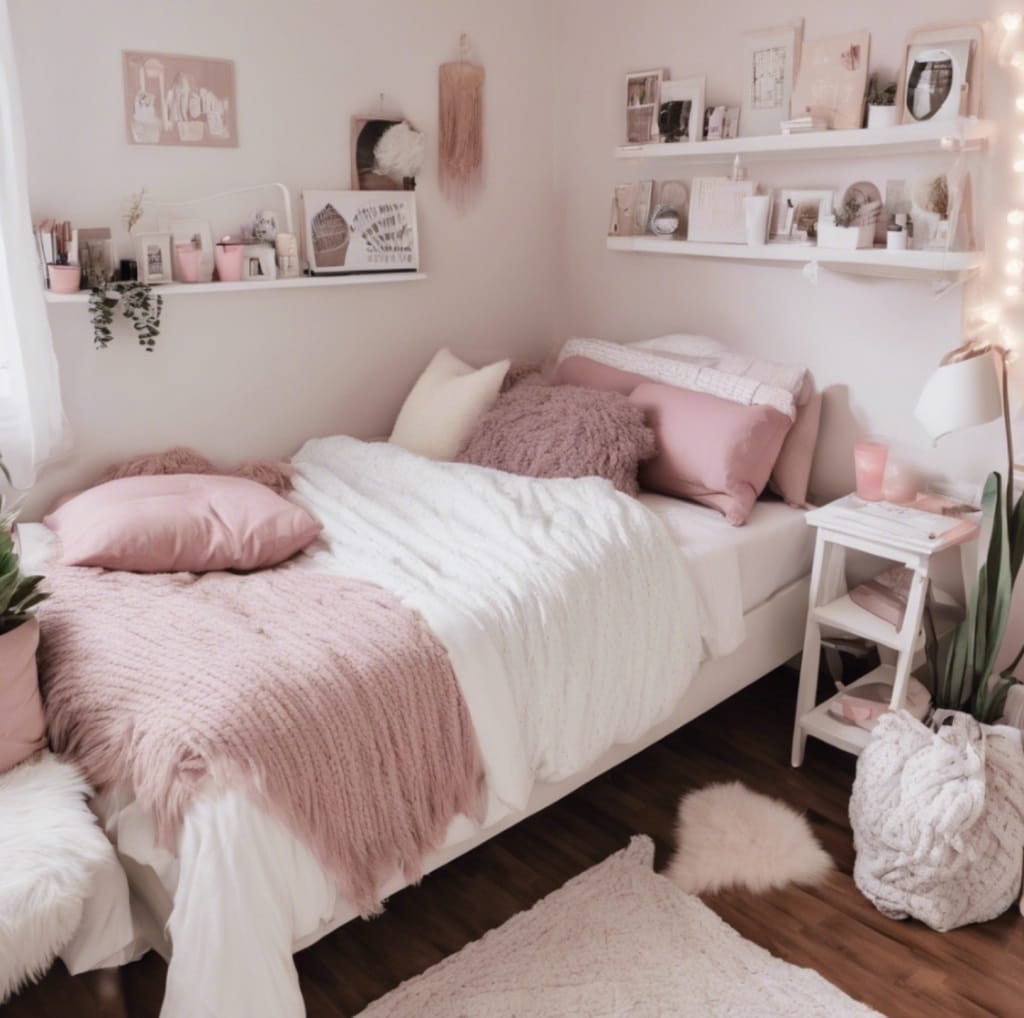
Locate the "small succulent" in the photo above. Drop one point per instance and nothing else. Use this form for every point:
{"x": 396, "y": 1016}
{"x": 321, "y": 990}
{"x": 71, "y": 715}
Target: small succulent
{"x": 879, "y": 94}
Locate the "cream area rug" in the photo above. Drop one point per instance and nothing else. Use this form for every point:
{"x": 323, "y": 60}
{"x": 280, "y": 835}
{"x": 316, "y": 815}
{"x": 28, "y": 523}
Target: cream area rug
{"x": 618, "y": 940}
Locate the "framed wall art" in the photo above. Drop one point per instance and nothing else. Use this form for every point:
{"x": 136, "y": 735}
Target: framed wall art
{"x": 833, "y": 80}
{"x": 153, "y": 254}
{"x": 770, "y": 59}
{"x": 360, "y": 231}
{"x": 681, "y": 110}
{"x": 942, "y": 73}
{"x": 171, "y": 99}
{"x": 797, "y": 212}
{"x": 387, "y": 154}
{"x": 717, "y": 213}
{"x": 643, "y": 94}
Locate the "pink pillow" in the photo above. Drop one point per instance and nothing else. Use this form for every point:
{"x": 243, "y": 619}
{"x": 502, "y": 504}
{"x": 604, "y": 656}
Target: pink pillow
{"x": 180, "y": 523}
{"x": 540, "y": 430}
{"x": 710, "y": 450}
{"x": 792, "y": 473}
{"x": 22, "y": 725}
{"x": 595, "y": 375}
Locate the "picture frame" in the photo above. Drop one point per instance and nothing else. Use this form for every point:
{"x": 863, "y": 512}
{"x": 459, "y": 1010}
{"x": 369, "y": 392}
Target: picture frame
{"x": 259, "y": 263}
{"x": 153, "y": 255}
{"x": 173, "y": 99}
{"x": 937, "y": 36}
{"x": 770, "y": 58}
{"x": 365, "y": 133}
{"x": 935, "y": 81}
{"x": 360, "y": 231}
{"x": 681, "y": 109}
{"x": 833, "y": 80}
{"x": 643, "y": 96}
{"x": 721, "y": 122}
{"x": 796, "y": 213}
{"x": 93, "y": 249}
{"x": 195, "y": 232}
{"x": 717, "y": 214}
{"x": 631, "y": 209}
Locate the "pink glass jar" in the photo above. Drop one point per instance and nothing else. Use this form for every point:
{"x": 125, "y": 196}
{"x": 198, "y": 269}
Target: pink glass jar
{"x": 869, "y": 467}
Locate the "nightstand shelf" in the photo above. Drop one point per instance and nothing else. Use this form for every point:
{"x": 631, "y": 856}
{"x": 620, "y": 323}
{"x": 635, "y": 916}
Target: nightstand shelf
{"x": 820, "y": 724}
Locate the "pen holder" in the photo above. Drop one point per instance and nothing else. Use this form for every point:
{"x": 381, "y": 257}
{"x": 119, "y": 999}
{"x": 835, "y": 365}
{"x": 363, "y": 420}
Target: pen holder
{"x": 65, "y": 278}
{"x": 229, "y": 262}
{"x": 188, "y": 260}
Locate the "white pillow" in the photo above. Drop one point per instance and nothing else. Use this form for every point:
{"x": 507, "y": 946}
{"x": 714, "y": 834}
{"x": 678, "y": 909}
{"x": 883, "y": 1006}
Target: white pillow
{"x": 684, "y": 345}
{"x": 444, "y": 405}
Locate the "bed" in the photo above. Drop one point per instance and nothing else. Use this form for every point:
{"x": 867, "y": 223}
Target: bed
{"x": 241, "y": 892}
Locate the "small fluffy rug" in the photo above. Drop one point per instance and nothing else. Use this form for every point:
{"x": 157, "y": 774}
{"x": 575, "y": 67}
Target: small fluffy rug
{"x": 728, "y": 836}
{"x": 618, "y": 940}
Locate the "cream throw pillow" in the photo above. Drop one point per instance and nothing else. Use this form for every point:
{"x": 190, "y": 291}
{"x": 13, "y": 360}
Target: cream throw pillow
{"x": 447, "y": 400}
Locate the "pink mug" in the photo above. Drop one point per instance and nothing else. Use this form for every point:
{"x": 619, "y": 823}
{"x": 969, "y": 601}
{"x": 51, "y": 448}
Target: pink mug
{"x": 229, "y": 262}
{"x": 869, "y": 467}
{"x": 189, "y": 261}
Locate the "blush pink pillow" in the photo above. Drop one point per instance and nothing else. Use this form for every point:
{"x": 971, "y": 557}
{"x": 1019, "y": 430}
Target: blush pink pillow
{"x": 710, "y": 450}
{"x": 595, "y": 375}
{"x": 22, "y": 725}
{"x": 180, "y": 523}
{"x": 792, "y": 473}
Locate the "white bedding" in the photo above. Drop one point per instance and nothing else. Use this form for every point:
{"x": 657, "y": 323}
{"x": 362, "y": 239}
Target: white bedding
{"x": 571, "y": 621}
{"x": 735, "y": 569}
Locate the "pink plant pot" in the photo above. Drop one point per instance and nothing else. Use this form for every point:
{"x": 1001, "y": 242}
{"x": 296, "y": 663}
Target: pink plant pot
{"x": 65, "y": 278}
{"x": 189, "y": 261}
{"x": 229, "y": 262}
{"x": 869, "y": 467}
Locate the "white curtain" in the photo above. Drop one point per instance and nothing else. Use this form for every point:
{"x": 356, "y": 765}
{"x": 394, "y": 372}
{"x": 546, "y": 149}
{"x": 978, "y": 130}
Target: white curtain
{"x": 32, "y": 424}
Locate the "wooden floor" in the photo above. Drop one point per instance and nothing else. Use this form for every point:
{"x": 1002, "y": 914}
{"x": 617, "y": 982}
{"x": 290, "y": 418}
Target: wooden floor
{"x": 902, "y": 969}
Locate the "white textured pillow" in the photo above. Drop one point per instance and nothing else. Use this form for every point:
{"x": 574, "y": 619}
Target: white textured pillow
{"x": 444, "y": 405}
{"x": 681, "y": 344}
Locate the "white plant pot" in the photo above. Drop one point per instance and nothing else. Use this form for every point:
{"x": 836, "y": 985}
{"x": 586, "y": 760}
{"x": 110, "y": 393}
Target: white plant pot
{"x": 881, "y": 116}
{"x": 845, "y": 238}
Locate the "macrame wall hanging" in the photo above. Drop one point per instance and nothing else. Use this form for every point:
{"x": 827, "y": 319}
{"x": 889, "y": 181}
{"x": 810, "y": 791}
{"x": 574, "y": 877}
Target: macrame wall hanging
{"x": 461, "y": 117}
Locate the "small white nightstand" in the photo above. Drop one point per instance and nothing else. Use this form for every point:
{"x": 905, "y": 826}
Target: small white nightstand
{"x": 908, "y": 537}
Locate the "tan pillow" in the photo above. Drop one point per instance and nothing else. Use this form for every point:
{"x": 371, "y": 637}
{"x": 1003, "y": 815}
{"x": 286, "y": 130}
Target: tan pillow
{"x": 444, "y": 405}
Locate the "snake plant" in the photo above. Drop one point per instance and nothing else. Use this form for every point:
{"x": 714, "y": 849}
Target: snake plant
{"x": 967, "y": 679}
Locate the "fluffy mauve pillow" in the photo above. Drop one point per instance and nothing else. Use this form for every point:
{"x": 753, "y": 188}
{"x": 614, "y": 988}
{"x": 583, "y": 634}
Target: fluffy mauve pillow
{"x": 540, "y": 430}
{"x": 180, "y": 460}
{"x": 710, "y": 450}
{"x": 180, "y": 523}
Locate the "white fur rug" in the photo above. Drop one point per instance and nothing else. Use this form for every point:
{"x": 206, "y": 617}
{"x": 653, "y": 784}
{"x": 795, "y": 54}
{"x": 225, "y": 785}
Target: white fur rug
{"x": 618, "y": 940}
{"x": 729, "y": 836}
{"x": 50, "y": 847}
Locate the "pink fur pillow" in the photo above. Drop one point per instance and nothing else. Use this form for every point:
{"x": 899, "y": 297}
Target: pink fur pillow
{"x": 538, "y": 430}
{"x": 275, "y": 474}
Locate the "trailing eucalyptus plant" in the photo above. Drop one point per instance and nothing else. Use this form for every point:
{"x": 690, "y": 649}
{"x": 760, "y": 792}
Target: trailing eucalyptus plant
{"x": 19, "y": 594}
{"x": 966, "y": 678}
{"x": 139, "y": 305}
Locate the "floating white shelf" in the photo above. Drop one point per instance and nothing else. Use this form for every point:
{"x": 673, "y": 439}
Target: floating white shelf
{"x": 904, "y": 139}
{"x": 928, "y": 265}
{"x": 174, "y": 289}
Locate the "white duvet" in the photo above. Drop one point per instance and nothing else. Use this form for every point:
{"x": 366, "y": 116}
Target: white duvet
{"x": 571, "y": 621}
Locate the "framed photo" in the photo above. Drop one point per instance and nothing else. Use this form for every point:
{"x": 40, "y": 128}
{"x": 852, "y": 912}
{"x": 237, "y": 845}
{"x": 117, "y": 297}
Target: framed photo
{"x": 717, "y": 214}
{"x": 797, "y": 212}
{"x": 171, "y": 99}
{"x": 153, "y": 253}
{"x": 259, "y": 263}
{"x": 833, "y": 80}
{"x": 631, "y": 209}
{"x": 770, "y": 59}
{"x": 360, "y": 231}
{"x": 195, "y": 232}
{"x": 384, "y": 165}
{"x": 939, "y": 40}
{"x": 721, "y": 122}
{"x": 643, "y": 94}
{"x": 681, "y": 110}
{"x": 93, "y": 249}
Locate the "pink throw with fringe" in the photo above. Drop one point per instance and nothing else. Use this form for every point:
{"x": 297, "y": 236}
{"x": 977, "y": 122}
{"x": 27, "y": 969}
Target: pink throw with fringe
{"x": 334, "y": 705}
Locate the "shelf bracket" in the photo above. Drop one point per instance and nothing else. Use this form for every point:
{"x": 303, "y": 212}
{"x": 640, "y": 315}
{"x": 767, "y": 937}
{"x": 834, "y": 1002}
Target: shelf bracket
{"x": 942, "y": 287}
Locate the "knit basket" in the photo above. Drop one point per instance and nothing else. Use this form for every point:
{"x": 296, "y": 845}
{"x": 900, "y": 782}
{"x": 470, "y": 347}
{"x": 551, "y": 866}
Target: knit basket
{"x": 938, "y": 820}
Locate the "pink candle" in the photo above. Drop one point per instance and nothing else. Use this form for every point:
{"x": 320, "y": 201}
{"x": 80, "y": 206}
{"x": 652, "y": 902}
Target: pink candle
{"x": 869, "y": 466}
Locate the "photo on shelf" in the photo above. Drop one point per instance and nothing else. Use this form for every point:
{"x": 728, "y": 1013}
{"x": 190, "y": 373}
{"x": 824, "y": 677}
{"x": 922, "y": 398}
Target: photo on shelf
{"x": 797, "y": 212}
{"x": 721, "y": 122}
{"x": 941, "y": 76}
{"x": 942, "y": 212}
{"x": 770, "y": 59}
{"x": 681, "y": 109}
{"x": 832, "y": 81}
{"x": 631, "y": 209}
{"x": 153, "y": 254}
{"x": 643, "y": 94}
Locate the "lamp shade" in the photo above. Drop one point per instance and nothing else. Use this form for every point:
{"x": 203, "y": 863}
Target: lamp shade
{"x": 961, "y": 395}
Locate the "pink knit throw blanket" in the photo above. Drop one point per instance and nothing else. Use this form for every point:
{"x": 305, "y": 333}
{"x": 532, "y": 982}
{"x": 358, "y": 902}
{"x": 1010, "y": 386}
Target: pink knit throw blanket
{"x": 331, "y": 703}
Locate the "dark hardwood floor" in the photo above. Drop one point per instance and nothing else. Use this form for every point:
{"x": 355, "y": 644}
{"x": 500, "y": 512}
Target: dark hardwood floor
{"x": 903, "y": 969}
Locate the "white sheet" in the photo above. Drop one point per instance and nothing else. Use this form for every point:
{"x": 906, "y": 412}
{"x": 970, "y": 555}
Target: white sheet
{"x": 571, "y": 622}
{"x": 735, "y": 569}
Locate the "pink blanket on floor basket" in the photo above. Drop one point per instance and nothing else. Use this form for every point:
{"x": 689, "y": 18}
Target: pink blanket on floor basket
{"x": 331, "y": 703}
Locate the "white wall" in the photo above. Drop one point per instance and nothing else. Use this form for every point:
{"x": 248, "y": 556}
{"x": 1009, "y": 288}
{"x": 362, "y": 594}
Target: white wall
{"x": 870, "y": 343}
{"x": 255, "y": 374}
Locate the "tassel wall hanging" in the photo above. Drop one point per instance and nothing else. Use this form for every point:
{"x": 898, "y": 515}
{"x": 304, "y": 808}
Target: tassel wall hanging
{"x": 461, "y": 134}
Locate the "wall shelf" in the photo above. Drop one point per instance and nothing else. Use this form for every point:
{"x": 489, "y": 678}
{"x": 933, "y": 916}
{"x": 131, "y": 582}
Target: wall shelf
{"x": 174, "y": 289}
{"x": 935, "y": 266}
{"x": 930, "y": 138}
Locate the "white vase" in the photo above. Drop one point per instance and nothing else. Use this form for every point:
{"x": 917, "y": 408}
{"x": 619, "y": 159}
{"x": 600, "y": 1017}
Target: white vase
{"x": 881, "y": 116}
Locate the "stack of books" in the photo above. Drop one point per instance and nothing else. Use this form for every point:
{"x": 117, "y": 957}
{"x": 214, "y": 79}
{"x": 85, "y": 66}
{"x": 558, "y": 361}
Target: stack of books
{"x": 804, "y": 125}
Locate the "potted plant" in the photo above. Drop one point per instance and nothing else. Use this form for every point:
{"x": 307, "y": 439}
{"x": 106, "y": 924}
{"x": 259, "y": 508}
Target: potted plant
{"x": 22, "y": 725}
{"x": 140, "y": 306}
{"x": 881, "y": 102}
{"x": 846, "y": 229}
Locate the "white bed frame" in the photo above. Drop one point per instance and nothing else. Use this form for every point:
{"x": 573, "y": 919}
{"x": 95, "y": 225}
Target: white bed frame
{"x": 774, "y": 634}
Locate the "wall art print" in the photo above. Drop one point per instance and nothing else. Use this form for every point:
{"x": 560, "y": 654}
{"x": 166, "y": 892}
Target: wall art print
{"x": 179, "y": 100}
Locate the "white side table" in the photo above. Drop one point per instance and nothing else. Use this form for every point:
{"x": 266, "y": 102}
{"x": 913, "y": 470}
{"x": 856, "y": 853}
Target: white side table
{"x": 849, "y": 524}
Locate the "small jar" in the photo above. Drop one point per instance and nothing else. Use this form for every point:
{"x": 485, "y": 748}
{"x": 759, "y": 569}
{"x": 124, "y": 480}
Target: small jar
{"x": 896, "y": 238}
